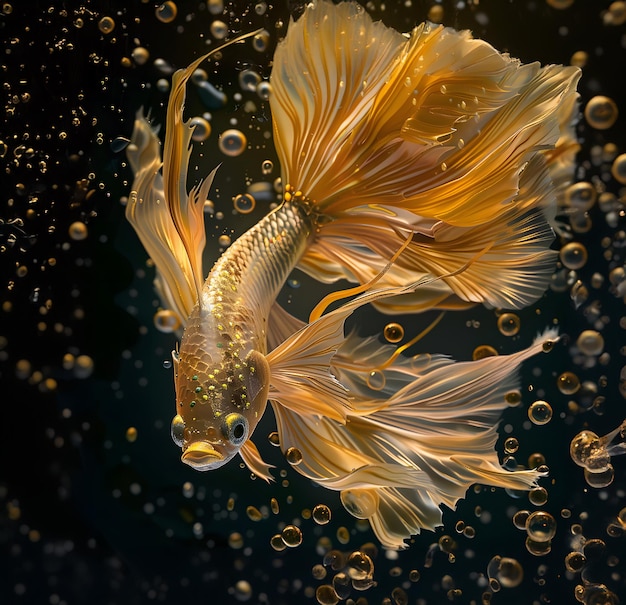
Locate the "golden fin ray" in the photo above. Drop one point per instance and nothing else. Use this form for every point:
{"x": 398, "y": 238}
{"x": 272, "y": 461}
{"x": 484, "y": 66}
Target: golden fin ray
{"x": 253, "y": 460}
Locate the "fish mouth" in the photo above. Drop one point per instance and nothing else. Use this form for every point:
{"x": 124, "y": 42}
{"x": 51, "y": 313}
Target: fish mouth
{"x": 202, "y": 456}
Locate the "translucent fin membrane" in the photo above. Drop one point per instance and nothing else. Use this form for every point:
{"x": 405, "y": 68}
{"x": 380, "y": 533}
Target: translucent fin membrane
{"x": 434, "y": 134}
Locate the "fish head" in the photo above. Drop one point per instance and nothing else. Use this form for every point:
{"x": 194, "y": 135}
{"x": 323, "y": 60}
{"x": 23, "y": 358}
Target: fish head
{"x": 218, "y": 406}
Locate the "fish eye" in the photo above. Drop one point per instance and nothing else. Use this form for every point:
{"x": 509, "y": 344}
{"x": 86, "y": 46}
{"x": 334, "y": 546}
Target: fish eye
{"x": 235, "y": 428}
{"x": 177, "y": 430}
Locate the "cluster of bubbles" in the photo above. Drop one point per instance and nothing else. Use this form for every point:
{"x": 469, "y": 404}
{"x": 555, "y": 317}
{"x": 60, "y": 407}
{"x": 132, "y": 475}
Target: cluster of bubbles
{"x": 591, "y": 274}
{"x": 594, "y": 454}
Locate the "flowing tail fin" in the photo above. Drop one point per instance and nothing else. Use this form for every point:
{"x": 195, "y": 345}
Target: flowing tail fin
{"x": 434, "y": 135}
{"x": 398, "y": 448}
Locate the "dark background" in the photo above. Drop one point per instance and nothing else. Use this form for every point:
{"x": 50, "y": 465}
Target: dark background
{"x": 88, "y": 516}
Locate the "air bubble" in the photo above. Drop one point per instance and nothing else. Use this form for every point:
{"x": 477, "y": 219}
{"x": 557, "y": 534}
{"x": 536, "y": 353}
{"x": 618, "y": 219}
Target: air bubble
{"x": 201, "y": 129}
{"x": 167, "y": 321}
{"x": 580, "y": 196}
{"x": 291, "y": 536}
{"x": 78, "y": 231}
{"x": 254, "y": 514}
{"x": 541, "y": 526}
{"x": 540, "y": 412}
{"x": 166, "y": 12}
{"x": 601, "y": 112}
{"x": 106, "y": 25}
{"x": 573, "y": 255}
{"x": 244, "y": 203}
{"x": 219, "y": 30}
{"x": 482, "y": 351}
{"x": 360, "y": 503}
{"x": 321, "y": 514}
{"x": 568, "y": 383}
{"x": 393, "y": 332}
{"x": 618, "y": 169}
{"x": 509, "y": 324}
{"x": 590, "y": 342}
{"x": 232, "y": 142}
{"x": 376, "y": 380}
{"x": 294, "y": 456}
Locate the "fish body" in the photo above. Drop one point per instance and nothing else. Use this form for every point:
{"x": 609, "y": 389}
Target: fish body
{"x": 427, "y": 168}
{"x": 221, "y": 375}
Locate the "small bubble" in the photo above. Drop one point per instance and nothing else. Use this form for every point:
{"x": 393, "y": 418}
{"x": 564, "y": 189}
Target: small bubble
{"x": 106, "y": 25}
{"x": 506, "y": 570}
{"x": 166, "y": 12}
{"x": 254, "y": 514}
{"x": 618, "y": 169}
{"x": 509, "y": 324}
{"x": 321, "y": 514}
{"x": 601, "y": 112}
{"x": 277, "y": 543}
{"x": 167, "y": 321}
{"x": 83, "y": 366}
{"x": 224, "y": 240}
{"x": 267, "y": 167}
{"x": 140, "y": 55}
{"x": 573, "y": 255}
{"x": 539, "y": 549}
{"x": 293, "y": 456}
{"x": 579, "y": 59}
{"x": 360, "y": 565}
{"x": 219, "y": 30}
{"x": 360, "y": 503}
{"x": 511, "y": 445}
{"x": 599, "y": 479}
{"x": 541, "y": 526}
{"x": 131, "y": 434}
{"x": 540, "y": 412}
{"x": 264, "y": 90}
{"x": 575, "y": 561}
{"x": 291, "y": 536}
{"x": 274, "y": 506}
{"x": 244, "y": 203}
{"x": 399, "y": 596}
{"x": 249, "y": 80}
{"x": 436, "y": 13}
{"x": 538, "y": 496}
{"x": 232, "y": 142}
{"x": 590, "y": 342}
{"x": 261, "y": 41}
{"x": 513, "y": 398}
{"x": 568, "y": 383}
{"x": 243, "y": 590}
{"x": 343, "y": 535}
{"x": 325, "y": 595}
{"x": 393, "y": 332}
{"x": 235, "y": 540}
{"x": 376, "y": 380}
{"x": 201, "y": 129}
{"x": 469, "y": 532}
{"x": 319, "y": 572}
{"x": 78, "y": 231}
{"x": 482, "y": 351}
{"x": 580, "y": 196}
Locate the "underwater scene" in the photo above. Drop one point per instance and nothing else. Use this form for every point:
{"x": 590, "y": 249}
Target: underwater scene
{"x": 446, "y": 364}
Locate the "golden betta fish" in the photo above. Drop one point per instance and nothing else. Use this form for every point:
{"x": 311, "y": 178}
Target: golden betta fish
{"x": 426, "y": 167}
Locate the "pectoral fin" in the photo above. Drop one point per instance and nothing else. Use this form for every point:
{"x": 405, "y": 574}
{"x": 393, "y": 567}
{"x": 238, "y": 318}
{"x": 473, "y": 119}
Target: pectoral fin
{"x": 251, "y": 456}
